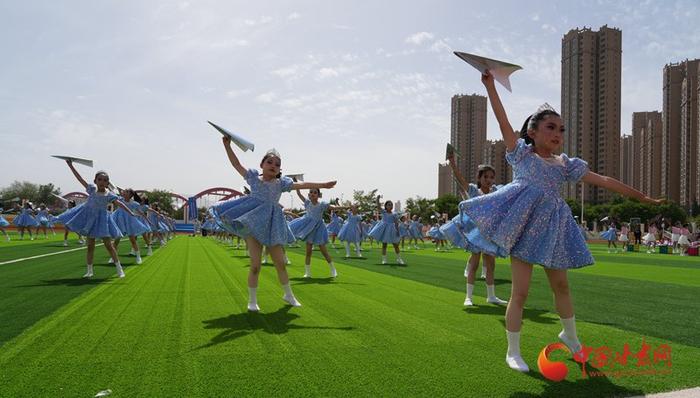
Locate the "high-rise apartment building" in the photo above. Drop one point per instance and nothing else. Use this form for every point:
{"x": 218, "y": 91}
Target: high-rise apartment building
{"x": 590, "y": 98}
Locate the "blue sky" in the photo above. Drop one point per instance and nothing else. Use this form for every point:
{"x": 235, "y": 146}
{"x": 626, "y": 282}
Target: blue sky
{"x": 357, "y": 91}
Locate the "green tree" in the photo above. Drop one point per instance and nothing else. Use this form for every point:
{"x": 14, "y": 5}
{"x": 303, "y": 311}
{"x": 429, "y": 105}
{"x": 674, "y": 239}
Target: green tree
{"x": 447, "y": 204}
{"x": 366, "y": 202}
{"x": 422, "y": 207}
{"x": 35, "y": 193}
{"x": 163, "y": 199}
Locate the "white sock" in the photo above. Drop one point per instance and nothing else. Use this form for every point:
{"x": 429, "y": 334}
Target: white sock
{"x": 384, "y": 258}
{"x": 253, "y": 295}
{"x": 470, "y": 290}
{"x": 513, "y": 343}
{"x": 347, "y": 249}
{"x": 287, "y": 290}
{"x": 357, "y": 251}
{"x": 569, "y": 325}
{"x": 307, "y": 269}
{"x": 491, "y": 291}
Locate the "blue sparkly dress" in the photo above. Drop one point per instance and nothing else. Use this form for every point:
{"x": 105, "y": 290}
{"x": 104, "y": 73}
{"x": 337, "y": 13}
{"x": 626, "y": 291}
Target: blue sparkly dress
{"x": 386, "y": 230}
{"x": 454, "y": 229}
{"x": 258, "y": 214}
{"x": 351, "y": 231}
{"x": 310, "y": 228}
{"x": 416, "y": 230}
{"x": 25, "y": 219}
{"x": 92, "y": 219}
{"x": 334, "y": 226}
{"x": 610, "y": 235}
{"x": 435, "y": 233}
{"x": 42, "y": 217}
{"x": 3, "y": 223}
{"x": 403, "y": 230}
{"x": 129, "y": 225}
{"x": 527, "y": 218}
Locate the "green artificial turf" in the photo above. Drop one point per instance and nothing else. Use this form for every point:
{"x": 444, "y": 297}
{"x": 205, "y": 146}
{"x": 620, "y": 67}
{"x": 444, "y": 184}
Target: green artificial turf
{"x": 177, "y": 326}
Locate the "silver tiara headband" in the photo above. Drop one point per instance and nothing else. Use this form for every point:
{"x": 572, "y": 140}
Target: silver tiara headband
{"x": 542, "y": 108}
{"x": 273, "y": 152}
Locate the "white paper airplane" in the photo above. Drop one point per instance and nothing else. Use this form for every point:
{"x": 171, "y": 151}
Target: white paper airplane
{"x": 499, "y": 69}
{"x": 299, "y": 177}
{"x": 241, "y": 142}
{"x": 61, "y": 198}
{"x": 82, "y": 161}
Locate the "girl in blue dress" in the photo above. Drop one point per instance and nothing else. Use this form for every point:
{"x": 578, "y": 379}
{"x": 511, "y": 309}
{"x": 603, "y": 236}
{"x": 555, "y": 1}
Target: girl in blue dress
{"x": 611, "y": 236}
{"x": 259, "y": 219}
{"x": 387, "y": 230}
{"x": 404, "y": 234}
{"x": 43, "y": 218}
{"x": 528, "y": 220}
{"x": 4, "y": 224}
{"x": 452, "y": 230}
{"x": 311, "y": 229}
{"x": 351, "y": 232}
{"x": 333, "y": 227}
{"x": 129, "y": 225}
{"x": 25, "y": 220}
{"x": 437, "y": 236}
{"x": 71, "y": 208}
{"x": 415, "y": 229}
{"x": 92, "y": 220}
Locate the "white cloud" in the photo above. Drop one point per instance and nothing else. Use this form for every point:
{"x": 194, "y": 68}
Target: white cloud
{"x": 260, "y": 21}
{"x": 324, "y": 73}
{"x": 535, "y": 17}
{"x": 440, "y": 46}
{"x": 237, "y": 93}
{"x": 419, "y": 38}
{"x": 293, "y": 16}
{"x": 266, "y": 98}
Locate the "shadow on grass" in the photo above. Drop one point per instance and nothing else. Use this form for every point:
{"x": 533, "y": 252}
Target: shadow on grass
{"x": 68, "y": 282}
{"x": 531, "y": 314}
{"x": 243, "y": 324}
{"x": 392, "y": 265}
{"x": 598, "y": 386}
{"x": 321, "y": 281}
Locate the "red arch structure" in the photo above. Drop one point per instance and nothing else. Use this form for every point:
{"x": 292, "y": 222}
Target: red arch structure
{"x": 225, "y": 193}
{"x": 81, "y": 195}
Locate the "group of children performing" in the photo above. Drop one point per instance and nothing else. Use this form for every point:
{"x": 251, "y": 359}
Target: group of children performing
{"x": 132, "y": 217}
{"x": 525, "y": 219}
{"x": 677, "y": 238}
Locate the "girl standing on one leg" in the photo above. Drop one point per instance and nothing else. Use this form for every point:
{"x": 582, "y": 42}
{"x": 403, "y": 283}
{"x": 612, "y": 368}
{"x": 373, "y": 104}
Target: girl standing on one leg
{"x": 528, "y": 220}
{"x": 259, "y": 219}
{"x": 42, "y": 217}
{"x": 387, "y": 230}
{"x": 130, "y": 225}
{"x": 311, "y": 229}
{"x": 351, "y": 232}
{"x": 92, "y": 220}
{"x": 25, "y": 220}
{"x": 454, "y": 232}
{"x": 437, "y": 236}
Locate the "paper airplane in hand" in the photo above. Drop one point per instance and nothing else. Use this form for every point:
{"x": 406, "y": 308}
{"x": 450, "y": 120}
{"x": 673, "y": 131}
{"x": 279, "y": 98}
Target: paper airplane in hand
{"x": 61, "y": 198}
{"x": 450, "y": 151}
{"x": 85, "y": 162}
{"x": 238, "y": 140}
{"x": 298, "y": 177}
{"x": 499, "y": 69}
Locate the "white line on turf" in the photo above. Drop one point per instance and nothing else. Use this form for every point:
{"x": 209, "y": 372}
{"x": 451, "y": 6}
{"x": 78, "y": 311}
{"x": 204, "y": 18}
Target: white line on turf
{"x": 46, "y": 255}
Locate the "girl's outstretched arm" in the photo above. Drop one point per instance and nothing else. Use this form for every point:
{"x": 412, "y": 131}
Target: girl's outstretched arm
{"x": 125, "y": 207}
{"x": 458, "y": 176}
{"x": 301, "y": 197}
{"x": 76, "y": 174}
{"x": 313, "y": 185}
{"x": 509, "y": 136}
{"x": 617, "y": 186}
{"x": 233, "y": 158}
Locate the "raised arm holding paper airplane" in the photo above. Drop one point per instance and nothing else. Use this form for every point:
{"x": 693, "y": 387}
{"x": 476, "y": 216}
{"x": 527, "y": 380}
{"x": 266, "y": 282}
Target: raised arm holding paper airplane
{"x": 241, "y": 142}
{"x": 500, "y": 70}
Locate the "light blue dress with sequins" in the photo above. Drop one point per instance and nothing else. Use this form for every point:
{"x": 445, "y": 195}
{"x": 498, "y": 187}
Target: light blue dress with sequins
{"x": 403, "y": 230}
{"x": 3, "y": 223}
{"x": 610, "y": 235}
{"x": 258, "y": 214}
{"x": 92, "y": 219}
{"x": 42, "y": 217}
{"x": 435, "y": 233}
{"x": 454, "y": 229}
{"x": 527, "y": 218}
{"x": 25, "y": 219}
{"x": 334, "y": 226}
{"x": 128, "y": 224}
{"x": 310, "y": 228}
{"x": 351, "y": 231}
{"x": 386, "y": 230}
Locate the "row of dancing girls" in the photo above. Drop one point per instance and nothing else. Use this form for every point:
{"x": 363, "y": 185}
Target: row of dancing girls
{"x": 25, "y": 220}
{"x": 93, "y": 220}
{"x": 259, "y": 219}
{"x": 311, "y": 229}
{"x": 529, "y": 221}
{"x": 454, "y": 229}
